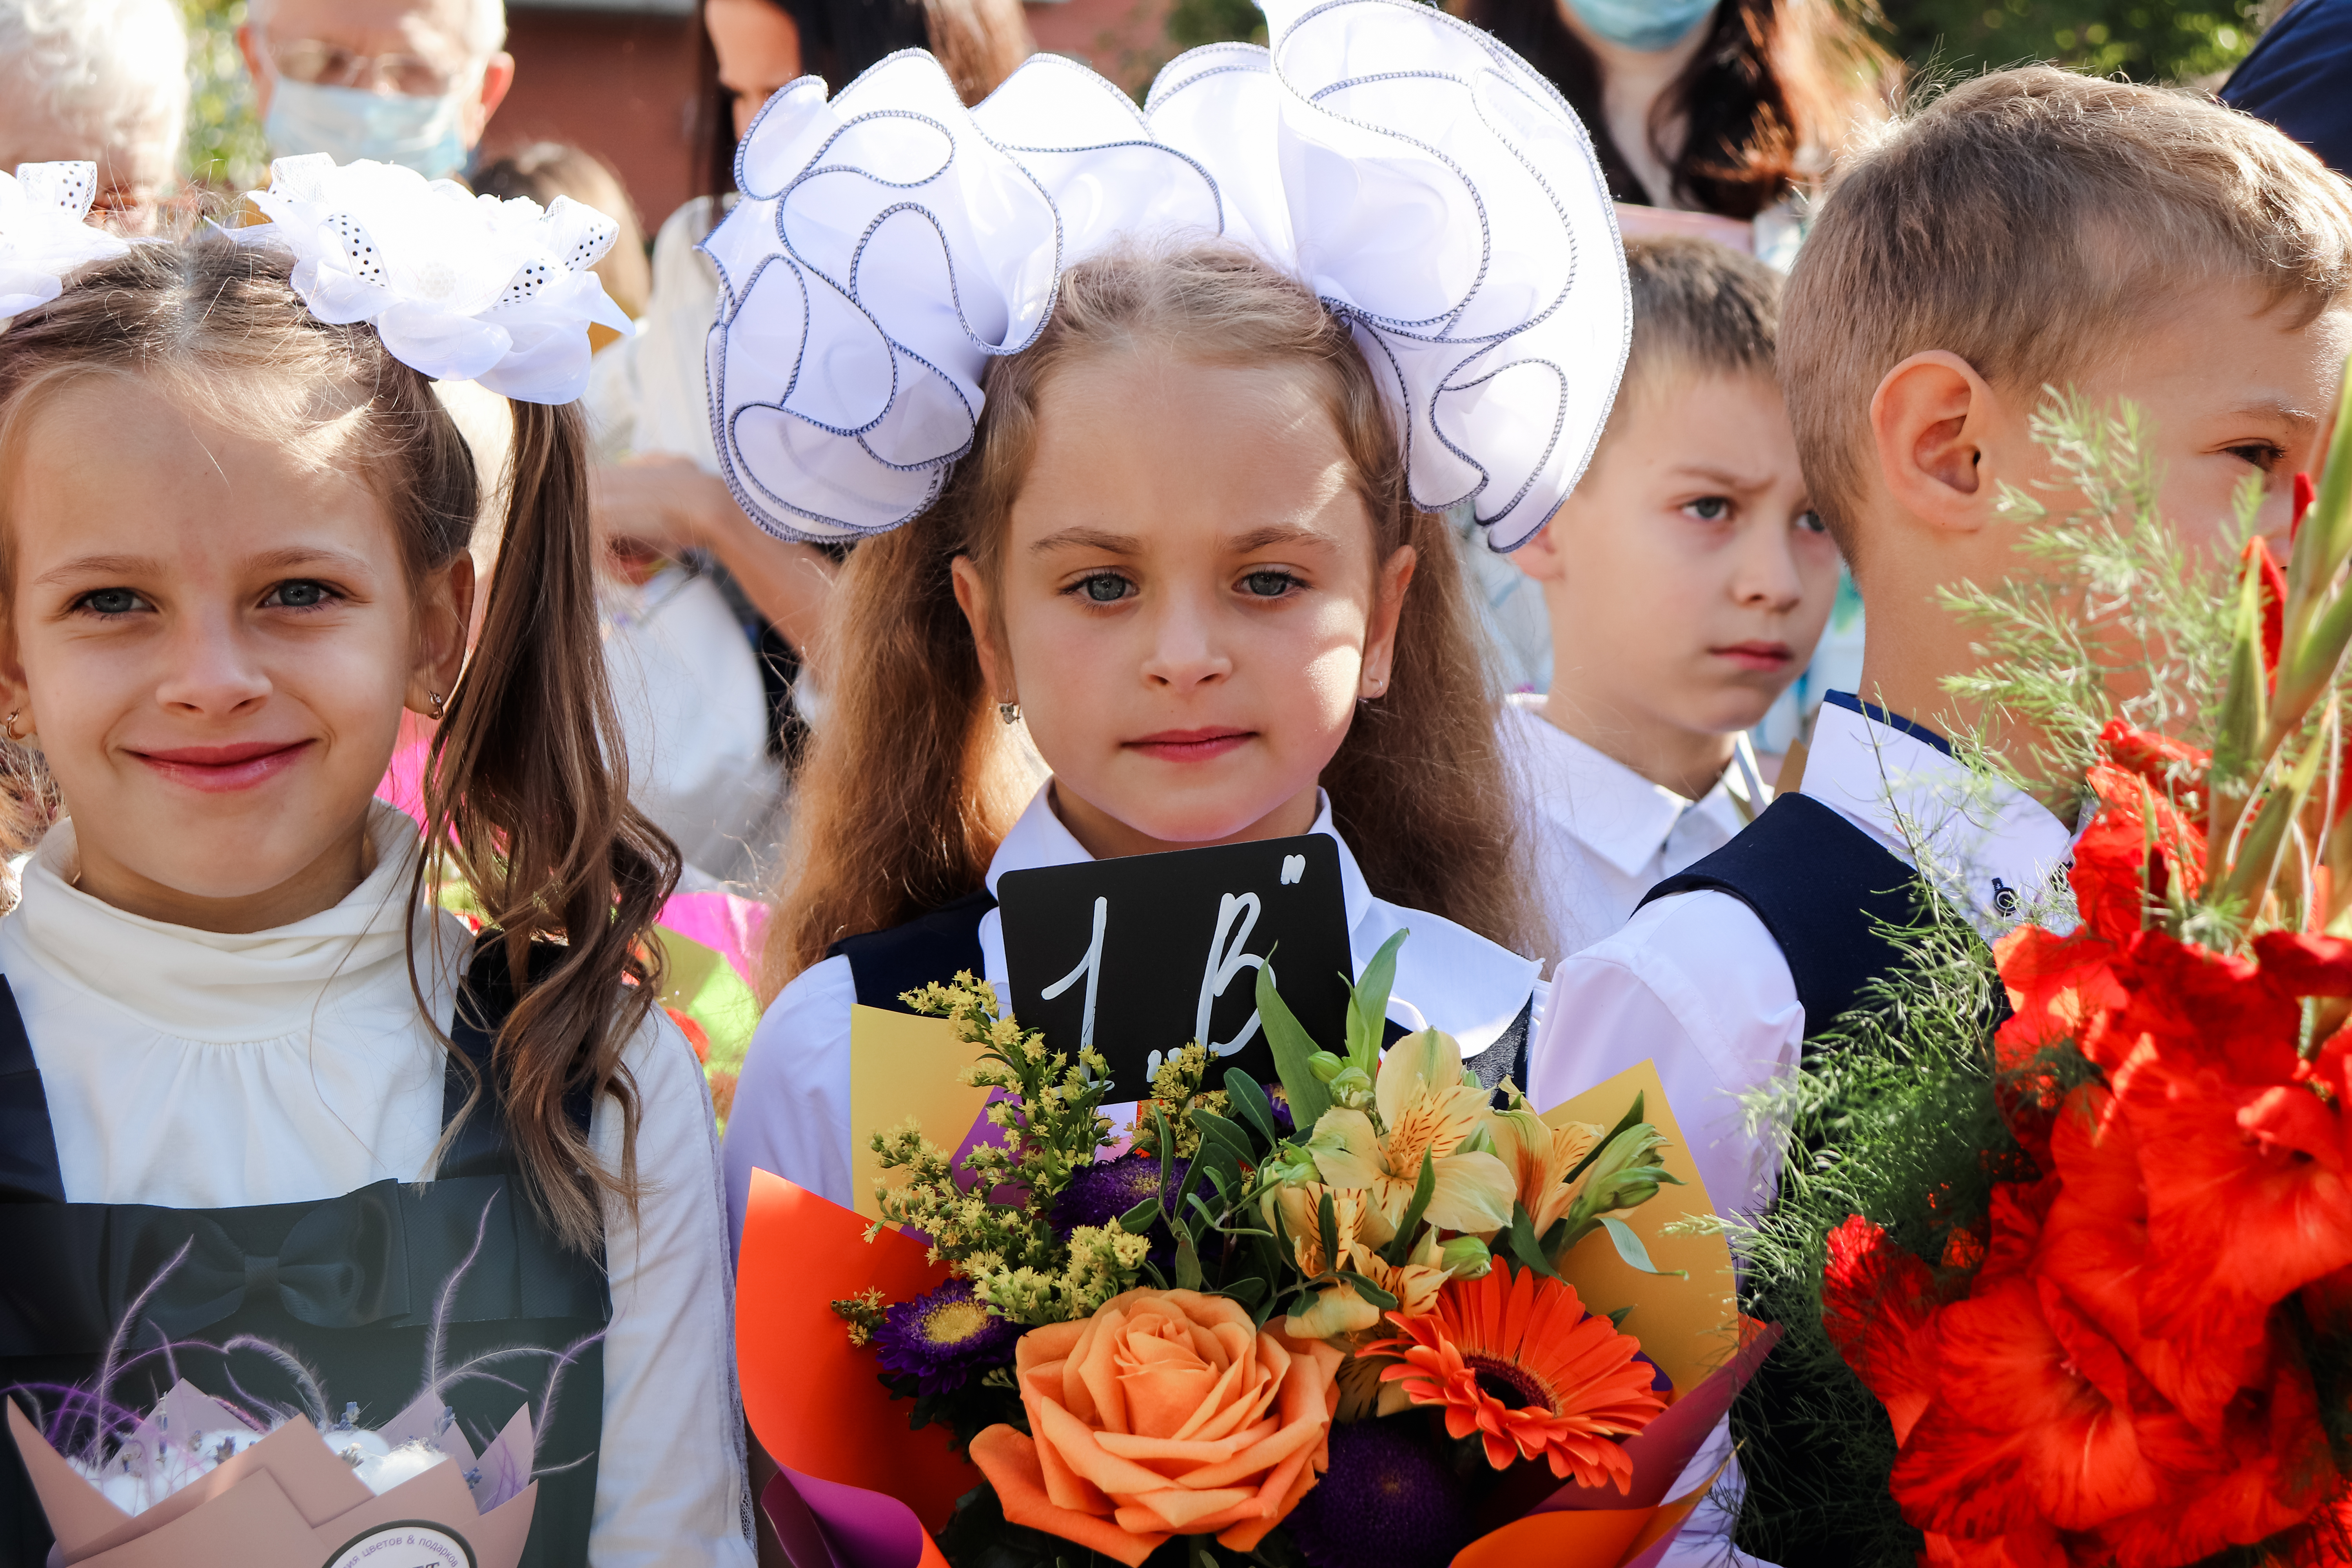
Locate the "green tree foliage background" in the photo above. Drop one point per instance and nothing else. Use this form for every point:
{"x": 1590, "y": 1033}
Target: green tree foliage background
{"x": 2148, "y": 40}
{"x": 225, "y": 146}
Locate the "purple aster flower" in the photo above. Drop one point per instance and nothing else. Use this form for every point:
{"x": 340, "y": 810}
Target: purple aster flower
{"x": 1389, "y": 1497}
{"x": 942, "y": 1338}
{"x": 1099, "y": 1194}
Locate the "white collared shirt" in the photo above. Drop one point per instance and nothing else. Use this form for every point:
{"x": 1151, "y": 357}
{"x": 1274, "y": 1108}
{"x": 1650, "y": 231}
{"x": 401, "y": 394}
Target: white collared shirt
{"x": 1602, "y": 834}
{"x": 1695, "y": 981}
{"x": 792, "y": 1111}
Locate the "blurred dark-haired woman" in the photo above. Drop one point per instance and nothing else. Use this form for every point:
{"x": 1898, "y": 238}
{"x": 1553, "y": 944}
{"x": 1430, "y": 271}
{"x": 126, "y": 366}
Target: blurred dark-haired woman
{"x": 1710, "y": 116}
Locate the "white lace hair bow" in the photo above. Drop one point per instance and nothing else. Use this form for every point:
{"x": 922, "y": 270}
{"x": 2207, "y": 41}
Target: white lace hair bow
{"x": 459, "y": 287}
{"x": 1434, "y": 191}
{"x": 42, "y": 235}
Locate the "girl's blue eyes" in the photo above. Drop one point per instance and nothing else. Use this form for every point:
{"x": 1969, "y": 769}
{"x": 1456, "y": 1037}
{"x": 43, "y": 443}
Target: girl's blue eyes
{"x": 1109, "y": 587}
{"x": 109, "y": 602}
{"x": 299, "y": 593}
{"x": 1709, "y": 508}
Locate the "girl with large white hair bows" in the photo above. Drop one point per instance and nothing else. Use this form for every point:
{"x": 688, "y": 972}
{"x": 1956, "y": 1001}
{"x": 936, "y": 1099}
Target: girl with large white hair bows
{"x": 1143, "y": 419}
{"x": 272, "y": 1119}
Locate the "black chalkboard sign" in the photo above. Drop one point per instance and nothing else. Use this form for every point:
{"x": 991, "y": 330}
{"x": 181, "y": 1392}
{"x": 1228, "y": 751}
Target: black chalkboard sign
{"x": 1140, "y": 956}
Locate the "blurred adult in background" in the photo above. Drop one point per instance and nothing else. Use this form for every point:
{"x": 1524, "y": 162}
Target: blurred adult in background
{"x": 105, "y": 80}
{"x": 658, "y": 494}
{"x": 1708, "y": 115}
{"x": 685, "y": 672}
{"x": 401, "y": 81}
{"x": 2299, "y": 77}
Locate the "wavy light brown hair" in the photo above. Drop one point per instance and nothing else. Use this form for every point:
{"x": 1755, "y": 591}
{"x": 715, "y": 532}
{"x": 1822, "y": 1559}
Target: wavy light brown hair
{"x": 526, "y": 792}
{"x": 913, "y": 781}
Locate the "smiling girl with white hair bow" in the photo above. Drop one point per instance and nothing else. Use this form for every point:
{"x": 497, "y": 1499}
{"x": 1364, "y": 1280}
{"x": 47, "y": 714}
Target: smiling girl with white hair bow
{"x": 271, "y": 1119}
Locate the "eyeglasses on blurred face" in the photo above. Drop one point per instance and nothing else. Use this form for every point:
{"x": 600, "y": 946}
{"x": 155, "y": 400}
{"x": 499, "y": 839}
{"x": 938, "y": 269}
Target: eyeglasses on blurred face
{"x": 322, "y": 64}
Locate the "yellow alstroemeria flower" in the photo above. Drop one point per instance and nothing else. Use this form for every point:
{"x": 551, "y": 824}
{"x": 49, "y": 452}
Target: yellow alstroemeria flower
{"x": 1539, "y": 1157}
{"x": 1339, "y": 1309}
{"x": 1427, "y": 1109}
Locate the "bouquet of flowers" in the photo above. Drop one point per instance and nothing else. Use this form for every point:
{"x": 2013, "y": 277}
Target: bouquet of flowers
{"x": 2065, "y": 1247}
{"x": 1334, "y": 1319}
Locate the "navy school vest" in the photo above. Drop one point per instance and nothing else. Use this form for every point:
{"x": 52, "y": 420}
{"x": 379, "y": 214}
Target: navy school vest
{"x": 1824, "y": 890}
{"x": 350, "y": 1285}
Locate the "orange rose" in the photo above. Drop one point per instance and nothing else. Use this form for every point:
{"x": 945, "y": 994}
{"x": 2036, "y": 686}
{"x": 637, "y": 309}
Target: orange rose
{"x": 1167, "y": 1412}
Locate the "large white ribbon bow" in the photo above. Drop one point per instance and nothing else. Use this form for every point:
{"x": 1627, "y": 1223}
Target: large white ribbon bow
{"x": 42, "y": 235}
{"x": 459, "y": 287}
{"x": 1434, "y": 191}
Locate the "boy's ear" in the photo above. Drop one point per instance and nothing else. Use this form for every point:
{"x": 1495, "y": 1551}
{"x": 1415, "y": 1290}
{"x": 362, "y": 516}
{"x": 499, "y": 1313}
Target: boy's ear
{"x": 1931, "y": 423}
{"x": 445, "y": 615}
{"x": 972, "y": 598}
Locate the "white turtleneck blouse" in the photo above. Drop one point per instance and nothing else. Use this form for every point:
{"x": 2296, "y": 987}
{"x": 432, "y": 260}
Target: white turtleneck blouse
{"x": 201, "y": 1070}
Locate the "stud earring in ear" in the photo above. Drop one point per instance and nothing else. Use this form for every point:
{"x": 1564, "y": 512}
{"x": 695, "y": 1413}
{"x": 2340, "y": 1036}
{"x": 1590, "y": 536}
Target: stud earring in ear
{"x": 1009, "y": 711}
{"x": 438, "y": 706}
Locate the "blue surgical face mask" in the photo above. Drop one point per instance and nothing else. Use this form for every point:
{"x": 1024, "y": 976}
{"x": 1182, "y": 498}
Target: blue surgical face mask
{"x": 422, "y": 133}
{"x": 1648, "y": 25}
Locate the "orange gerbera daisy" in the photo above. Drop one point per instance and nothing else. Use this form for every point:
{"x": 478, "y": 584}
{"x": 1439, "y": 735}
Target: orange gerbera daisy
{"x": 1520, "y": 1361}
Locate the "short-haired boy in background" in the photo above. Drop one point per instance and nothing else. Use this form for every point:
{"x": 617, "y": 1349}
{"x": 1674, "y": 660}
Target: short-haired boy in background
{"x": 1686, "y": 581}
{"x": 2030, "y": 228}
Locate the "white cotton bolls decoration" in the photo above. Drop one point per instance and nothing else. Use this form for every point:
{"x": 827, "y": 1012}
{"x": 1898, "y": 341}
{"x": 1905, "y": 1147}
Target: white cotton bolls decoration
{"x": 43, "y": 235}
{"x": 459, "y": 287}
{"x": 1431, "y": 188}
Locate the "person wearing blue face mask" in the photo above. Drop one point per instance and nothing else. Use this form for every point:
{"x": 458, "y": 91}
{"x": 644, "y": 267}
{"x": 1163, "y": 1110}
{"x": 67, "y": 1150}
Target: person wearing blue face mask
{"x": 1708, "y": 115}
{"x": 412, "y": 82}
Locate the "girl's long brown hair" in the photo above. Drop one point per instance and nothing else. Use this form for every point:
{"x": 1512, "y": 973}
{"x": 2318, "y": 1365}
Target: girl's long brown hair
{"x": 527, "y": 792}
{"x": 913, "y": 781}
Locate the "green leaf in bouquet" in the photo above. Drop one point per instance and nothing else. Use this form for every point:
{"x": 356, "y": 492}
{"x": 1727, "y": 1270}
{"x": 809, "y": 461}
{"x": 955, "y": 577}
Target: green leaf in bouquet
{"x": 1142, "y": 1218}
{"x": 1617, "y": 1317}
{"x": 1424, "y": 1188}
{"x": 1384, "y": 1300}
{"x": 1286, "y": 1037}
{"x": 1630, "y": 1248}
{"x": 2321, "y": 547}
{"x": 1367, "y": 1004}
{"x": 2276, "y": 811}
{"x": 1188, "y": 1261}
{"x": 1248, "y": 1097}
{"x": 1632, "y": 1118}
{"x": 1524, "y": 1246}
{"x": 1229, "y": 1138}
{"x": 2238, "y": 751}
{"x": 1248, "y": 1291}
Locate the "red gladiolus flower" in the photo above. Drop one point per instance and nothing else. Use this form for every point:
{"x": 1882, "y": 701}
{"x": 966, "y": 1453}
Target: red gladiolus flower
{"x": 1878, "y": 1304}
{"x": 2094, "y": 1246}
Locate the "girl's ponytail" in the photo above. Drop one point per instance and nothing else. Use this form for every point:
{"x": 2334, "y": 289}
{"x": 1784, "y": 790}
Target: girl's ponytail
{"x": 528, "y": 794}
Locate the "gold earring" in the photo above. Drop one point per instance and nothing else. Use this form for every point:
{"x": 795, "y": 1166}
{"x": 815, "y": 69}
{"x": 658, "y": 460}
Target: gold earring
{"x": 10, "y": 725}
{"x": 439, "y": 708}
